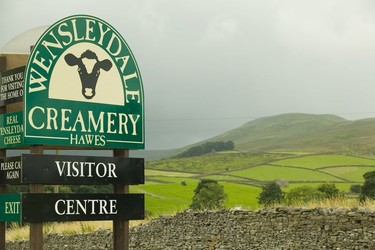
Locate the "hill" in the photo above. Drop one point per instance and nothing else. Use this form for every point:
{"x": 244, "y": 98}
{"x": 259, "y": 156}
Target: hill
{"x": 295, "y": 149}
{"x": 304, "y": 132}
{"x": 307, "y": 133}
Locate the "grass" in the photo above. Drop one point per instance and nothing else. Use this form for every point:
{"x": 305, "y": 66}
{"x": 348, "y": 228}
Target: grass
{"x": 270, "y": 173}
{"x": 226, "y": 177}
{"x": 326, "y": 160}
{"x": 240, "y": 195}
{"x": 168, "y": 196}
{"x": 16, "y": 232}
{"x": 352, "y": 173}
{"x": 347, "y": 203}
{"x": 212, "y": 163}
{"x": 150, "y": 172}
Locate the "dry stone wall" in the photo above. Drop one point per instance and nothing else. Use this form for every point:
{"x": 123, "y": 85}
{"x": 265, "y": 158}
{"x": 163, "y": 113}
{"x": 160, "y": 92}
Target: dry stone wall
{"x": 277, "y": 228}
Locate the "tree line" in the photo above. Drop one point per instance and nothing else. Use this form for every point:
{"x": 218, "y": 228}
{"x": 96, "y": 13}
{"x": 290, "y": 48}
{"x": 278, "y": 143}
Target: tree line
{"x": 272, "y": 194}
{"x": 206, "y": 148}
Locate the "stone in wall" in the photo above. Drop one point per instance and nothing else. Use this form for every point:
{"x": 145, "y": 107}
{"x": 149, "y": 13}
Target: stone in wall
{"x": 273, "y": 228}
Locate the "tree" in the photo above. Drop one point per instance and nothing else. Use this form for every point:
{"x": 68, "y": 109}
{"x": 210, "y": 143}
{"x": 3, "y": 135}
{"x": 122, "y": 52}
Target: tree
{"x": 329, "y": 190}
{"x": 303, "y": 194}
{"x": 355, "y": 189}
{"x": 207, "y": 148}
{"x": 208, "y": 194}
{"x": 368, "y": 188}
{"x": 271, "y": 194}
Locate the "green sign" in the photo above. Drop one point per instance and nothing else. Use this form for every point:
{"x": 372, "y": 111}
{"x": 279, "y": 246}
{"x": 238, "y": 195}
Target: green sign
{"x": 11, "y": 130}
{"x": 10, "y": 206}
{"x": 83, "y": 88}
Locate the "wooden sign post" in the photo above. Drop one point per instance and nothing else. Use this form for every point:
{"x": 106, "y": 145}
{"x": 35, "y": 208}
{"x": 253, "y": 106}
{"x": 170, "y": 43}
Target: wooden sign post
{"x": 36, "y": 228}
{"x": 121, "y": 227}
{"x": 3, "y": 155}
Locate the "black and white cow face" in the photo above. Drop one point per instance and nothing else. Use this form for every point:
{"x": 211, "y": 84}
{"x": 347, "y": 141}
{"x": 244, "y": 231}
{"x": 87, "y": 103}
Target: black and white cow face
{"x": 88, "y": 80}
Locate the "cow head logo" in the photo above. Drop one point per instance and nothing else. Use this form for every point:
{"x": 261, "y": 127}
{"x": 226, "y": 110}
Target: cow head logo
{"x": 88, "y": 80}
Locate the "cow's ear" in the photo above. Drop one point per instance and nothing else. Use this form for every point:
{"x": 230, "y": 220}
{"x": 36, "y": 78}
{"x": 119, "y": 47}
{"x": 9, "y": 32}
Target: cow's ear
{"x": 71, "y": 59}
{"x": 105, "y": 64}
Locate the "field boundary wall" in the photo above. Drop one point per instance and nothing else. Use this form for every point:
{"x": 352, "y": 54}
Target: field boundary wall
{"x": 276, "y": 228}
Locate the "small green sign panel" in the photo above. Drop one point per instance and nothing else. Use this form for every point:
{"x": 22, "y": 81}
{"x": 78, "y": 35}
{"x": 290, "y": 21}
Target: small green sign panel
{"x": 10, "y": 206}
{"x": 11, "y": 130}
{"x": 83, "y": 88}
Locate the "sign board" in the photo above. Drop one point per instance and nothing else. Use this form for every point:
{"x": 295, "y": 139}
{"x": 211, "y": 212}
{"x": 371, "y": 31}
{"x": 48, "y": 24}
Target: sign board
{"x": 11, "y": 130}
{"x": 83, "y": 88}
{"x": 82, "y": 170}
{"x": 10, "y": 207}
{"x": 70, "y": 170}
{"x": 81, "y": 207}
{"x": 11, "y": 87}
{"x": 10, "y": 170}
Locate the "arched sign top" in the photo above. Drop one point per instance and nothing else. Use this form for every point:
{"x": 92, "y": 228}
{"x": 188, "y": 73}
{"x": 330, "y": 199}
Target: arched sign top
{"x": 83, "y": 88}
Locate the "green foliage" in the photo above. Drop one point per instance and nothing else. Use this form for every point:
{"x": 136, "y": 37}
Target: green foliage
{"x": 91, "y": 188}
{"x": 303, "y": 194}
{"x": 206, "y": 148}
{"x": 368, "y": 188}
{"x": 208, "y": 194}
{"x": 64, "y": 188}
{"x": 271, "y": 194}
{"x": 17, "y": 188}
{"x": 355, "y": 189}
{"x": 329, "y": 190}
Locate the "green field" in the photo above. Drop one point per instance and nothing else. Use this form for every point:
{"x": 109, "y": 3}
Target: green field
{"x": 213, "y": 163}
{"x": 270, "y": 173}
{"x": 319, "y": 161}
{"x": 170, "y": 183}
{"x": 351, "y": 173}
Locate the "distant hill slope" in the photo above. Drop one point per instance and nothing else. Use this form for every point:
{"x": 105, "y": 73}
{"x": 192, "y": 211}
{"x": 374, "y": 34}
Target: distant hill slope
{"x": 304, "y": 132}
{"x": 150, "y": 155}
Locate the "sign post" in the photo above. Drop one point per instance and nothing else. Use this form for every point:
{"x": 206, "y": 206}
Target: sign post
{"x": 121, "y": 227}
{"x": 2, "y": 155}
{"x": 81, "y": 88}
{"x": 36, "y": 228}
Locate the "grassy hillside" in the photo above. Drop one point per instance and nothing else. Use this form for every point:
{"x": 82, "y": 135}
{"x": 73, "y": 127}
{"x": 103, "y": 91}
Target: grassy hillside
{"x": 304, "y": 132}
{"x": 300, "y": 149}
{"x": 243, "y": 174}
{"x": 292, "y": 133}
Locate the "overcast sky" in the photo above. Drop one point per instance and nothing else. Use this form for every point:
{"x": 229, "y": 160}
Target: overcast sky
{"x": 209, "y": 66}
